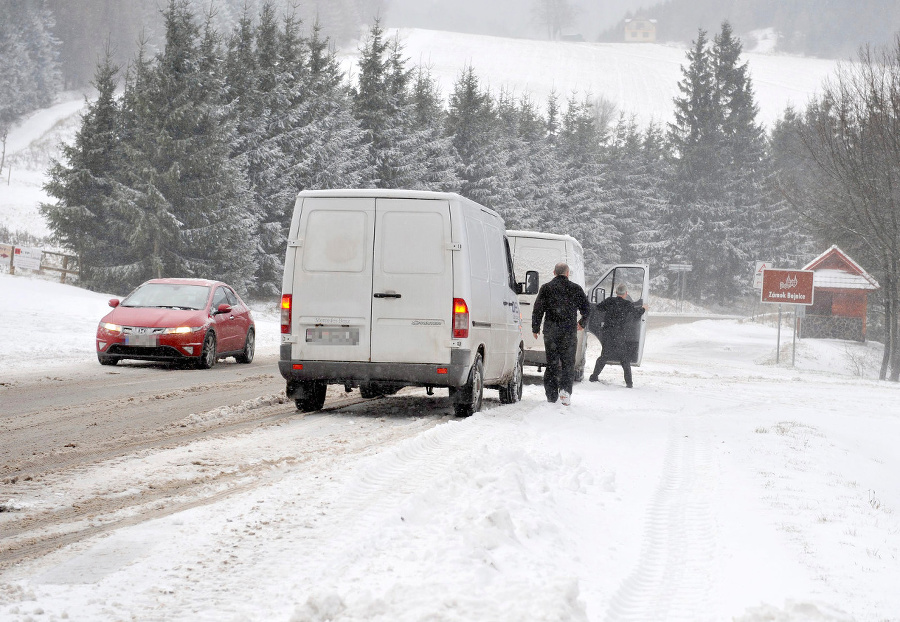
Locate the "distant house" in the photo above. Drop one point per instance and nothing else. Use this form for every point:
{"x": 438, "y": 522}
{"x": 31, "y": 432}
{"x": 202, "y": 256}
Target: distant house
{"x": 640, "y": 30}
{"x": 840, "y": 297}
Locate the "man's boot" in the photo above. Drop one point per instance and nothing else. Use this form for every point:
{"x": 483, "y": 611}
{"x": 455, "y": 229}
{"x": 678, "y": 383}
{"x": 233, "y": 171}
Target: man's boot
{"x": 598, "y": 367}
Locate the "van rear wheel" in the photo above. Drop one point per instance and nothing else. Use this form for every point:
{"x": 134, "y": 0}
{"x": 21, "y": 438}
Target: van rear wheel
{"x": 467, "y": 399}
{"x": 512, "y": 391}
{"x": 313, "y": 392}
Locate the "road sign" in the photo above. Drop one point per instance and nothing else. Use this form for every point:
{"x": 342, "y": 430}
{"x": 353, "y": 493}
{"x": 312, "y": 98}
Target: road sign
{"x": 757, "y": 276}
{"x": 28, "y": 258}
{"x": 794, "y": 287}
{"x": 680, "y": 267}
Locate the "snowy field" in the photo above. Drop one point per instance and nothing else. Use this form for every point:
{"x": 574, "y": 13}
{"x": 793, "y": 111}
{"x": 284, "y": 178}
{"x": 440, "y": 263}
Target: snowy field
{"x": 640, "y": 79}
{"x": 723, "y": 487}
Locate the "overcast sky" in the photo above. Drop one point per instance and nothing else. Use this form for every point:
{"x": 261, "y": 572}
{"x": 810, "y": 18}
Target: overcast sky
{"x": 510, "y": 18}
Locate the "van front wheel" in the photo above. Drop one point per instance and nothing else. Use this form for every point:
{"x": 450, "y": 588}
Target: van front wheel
{"x": 467, "y": 399}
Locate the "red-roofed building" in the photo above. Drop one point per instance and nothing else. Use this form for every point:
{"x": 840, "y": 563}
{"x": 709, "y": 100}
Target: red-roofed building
{"x": 840, "y": 297}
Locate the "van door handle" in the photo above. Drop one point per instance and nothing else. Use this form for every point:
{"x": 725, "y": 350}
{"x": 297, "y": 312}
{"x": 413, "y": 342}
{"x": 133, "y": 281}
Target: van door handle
{"x": 384, "y": 295}
{"x": 525, "y": 303}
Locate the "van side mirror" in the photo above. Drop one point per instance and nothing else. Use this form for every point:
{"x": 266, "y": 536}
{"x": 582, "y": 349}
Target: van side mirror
{"x": 531, "y": 285}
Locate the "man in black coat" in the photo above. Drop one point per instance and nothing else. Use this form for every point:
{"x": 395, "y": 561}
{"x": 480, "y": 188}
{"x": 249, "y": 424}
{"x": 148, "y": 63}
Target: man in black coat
{"x": 619, "y": 322}
{"x": 560, "y": 301}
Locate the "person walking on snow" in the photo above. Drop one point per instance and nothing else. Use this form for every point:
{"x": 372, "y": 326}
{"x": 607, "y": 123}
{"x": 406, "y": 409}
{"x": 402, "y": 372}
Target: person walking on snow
{"x": 558, "y": 304}
{"x": 619, "y": 313}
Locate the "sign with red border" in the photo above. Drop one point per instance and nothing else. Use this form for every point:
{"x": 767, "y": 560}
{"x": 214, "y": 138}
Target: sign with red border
{"x": 792, "y": 287}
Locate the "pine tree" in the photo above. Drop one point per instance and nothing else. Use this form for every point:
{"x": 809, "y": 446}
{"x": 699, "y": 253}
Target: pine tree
{"x": 585, "y": 215}
{"x": 330, "y": 144}
{"x": 472, "y": 124}
{"x": 433, "y": 151}
{"x": 83, "y": 185}
{"x": 29, "y": 70}
{"x": 183, "y": 202}
{"x": 718, "y": 171}
{"x": 258, "y": 86}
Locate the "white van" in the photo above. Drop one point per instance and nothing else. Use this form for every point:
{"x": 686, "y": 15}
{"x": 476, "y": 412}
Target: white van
{"x": 535, "y": 254}
{"x": 390, "y": 288}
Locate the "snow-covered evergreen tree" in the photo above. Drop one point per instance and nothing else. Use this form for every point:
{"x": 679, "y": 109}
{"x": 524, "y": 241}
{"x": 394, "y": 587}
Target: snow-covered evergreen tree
{"x": 83, "y": 183}
{"x": 29, "y": 70}
{"x": 584, "y": 214}
{"x": 634, "y": 192}
{"x": 472, "y": 124}
{"x": 330, "y": 145}
{"x": 184, "y": 205}
{"x": 434, "y": 154}
{"x": 717, "y": 189}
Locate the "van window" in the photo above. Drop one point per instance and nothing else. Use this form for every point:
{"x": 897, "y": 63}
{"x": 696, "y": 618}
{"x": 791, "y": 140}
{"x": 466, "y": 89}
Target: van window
{"x": 478, "y": 259}
{"x": 497, "y": 250}
{"x": 542, "y": 259}
{"x": 413, "y": 243}
{"x": 335, "y": 241}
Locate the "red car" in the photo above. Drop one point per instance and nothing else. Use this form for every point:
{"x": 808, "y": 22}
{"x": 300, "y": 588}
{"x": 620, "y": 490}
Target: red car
{"x": 192, "y": 320}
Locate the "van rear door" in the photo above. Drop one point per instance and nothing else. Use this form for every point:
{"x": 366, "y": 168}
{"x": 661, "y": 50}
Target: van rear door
{"x": 637, "y": 278}
{"x": 412, "y": 282}
{"x": 333, "y": 270}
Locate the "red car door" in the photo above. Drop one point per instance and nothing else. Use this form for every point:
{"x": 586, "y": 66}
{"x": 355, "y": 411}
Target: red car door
{"x": 241, "y": 314}
{"x": 228, "y": 338}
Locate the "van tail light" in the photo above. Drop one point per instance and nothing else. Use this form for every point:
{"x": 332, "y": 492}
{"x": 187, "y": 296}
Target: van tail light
{"x": 460, "y": 319}
{"x": 286, "y": 314}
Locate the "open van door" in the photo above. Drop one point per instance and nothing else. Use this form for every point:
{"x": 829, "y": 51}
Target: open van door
{"x": 637, "y": 279}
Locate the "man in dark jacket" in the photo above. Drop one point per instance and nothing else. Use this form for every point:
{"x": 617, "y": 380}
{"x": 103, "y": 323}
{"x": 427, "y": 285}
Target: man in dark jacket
{"x": 619, "y": 322}
{"x": 560, "y": 301}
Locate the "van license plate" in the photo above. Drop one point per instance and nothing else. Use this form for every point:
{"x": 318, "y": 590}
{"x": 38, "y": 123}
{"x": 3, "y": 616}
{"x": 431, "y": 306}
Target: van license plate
{"x": 340, "y": 336}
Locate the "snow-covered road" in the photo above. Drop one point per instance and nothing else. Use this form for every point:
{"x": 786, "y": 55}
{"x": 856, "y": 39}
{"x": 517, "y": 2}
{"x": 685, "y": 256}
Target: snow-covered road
{"x": 722, "y": 487}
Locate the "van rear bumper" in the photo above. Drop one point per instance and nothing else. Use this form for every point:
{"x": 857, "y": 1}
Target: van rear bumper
{"x": 354, "y": 372}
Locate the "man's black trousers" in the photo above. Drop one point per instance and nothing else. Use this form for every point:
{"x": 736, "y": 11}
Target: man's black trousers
{"x": 560, "y": 344}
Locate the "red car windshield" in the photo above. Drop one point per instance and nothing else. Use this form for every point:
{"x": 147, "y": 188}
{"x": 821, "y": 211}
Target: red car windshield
{"x": 168, "y": 295}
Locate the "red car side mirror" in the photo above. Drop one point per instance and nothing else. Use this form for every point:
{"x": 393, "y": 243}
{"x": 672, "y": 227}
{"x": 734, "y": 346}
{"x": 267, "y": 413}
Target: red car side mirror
{"x": 113, "y": 302}
{"x": 223, "y": 308}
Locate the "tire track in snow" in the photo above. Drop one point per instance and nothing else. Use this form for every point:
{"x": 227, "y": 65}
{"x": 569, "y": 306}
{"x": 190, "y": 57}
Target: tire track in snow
{"x": 376, "y": 496}
{"x": 674, "y": 575}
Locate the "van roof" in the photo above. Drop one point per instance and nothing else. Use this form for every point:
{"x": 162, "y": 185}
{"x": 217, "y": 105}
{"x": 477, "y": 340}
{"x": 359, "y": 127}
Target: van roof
{"x": 382, "y": 193}
{"x": 515, "y": 233}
